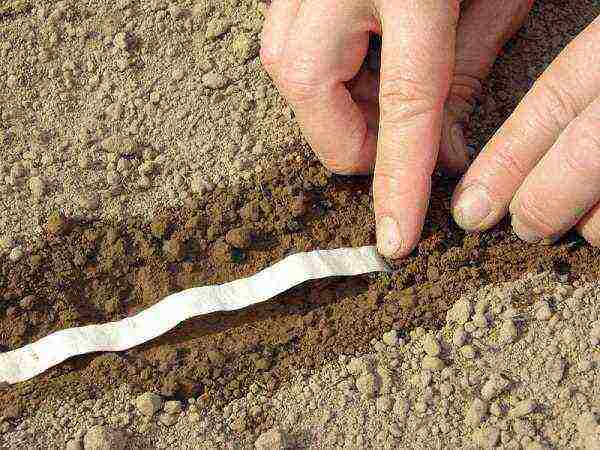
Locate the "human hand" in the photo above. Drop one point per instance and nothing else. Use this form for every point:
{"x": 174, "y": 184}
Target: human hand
{"x": 543, "y": 165}
{"x": 433, "y": 56}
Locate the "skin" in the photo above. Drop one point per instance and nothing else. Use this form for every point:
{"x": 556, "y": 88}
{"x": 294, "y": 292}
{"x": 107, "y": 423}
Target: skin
{"x": 403, "y": 124}
{"x": 542, "y": 165}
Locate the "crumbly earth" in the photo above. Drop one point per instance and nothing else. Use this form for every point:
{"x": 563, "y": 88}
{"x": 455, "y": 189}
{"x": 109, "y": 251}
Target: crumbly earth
{"x": 124, "y": 179}
{"x": 113, "y": 109}
{"x": 492, "y": 377}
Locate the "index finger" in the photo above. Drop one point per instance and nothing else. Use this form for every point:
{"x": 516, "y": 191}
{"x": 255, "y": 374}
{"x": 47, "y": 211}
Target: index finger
{"x": 417, "y": 63}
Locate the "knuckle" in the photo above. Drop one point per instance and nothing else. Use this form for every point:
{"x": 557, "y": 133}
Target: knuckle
{"x": 297, "y": 84}
{"x": 386, "y": 176}
{"x": 268, "y": 56}
{"x": 353, "y": 162}
{"x": 588, "y": 134}
{"x": 270, "y": 48}
{"x": 591, "y": 232}
{"x": 532, "y": 213}
{"x": 403, "y": 99}
{"x": 508, "y": 162}
{"x": 357, "y": 135}
{"x": 584, "y": 158}
{"x": 581, "y": 164}
{"x": 555, "y": 109}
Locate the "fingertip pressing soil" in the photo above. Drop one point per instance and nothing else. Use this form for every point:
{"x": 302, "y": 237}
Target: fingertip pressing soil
{"x": 92, "y": 273}
{"x": 201, "y": 230}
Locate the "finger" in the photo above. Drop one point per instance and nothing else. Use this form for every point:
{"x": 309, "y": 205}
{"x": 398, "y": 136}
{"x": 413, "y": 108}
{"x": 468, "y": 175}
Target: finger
{"x": 565, "y": 185}
{"x": 484, "y": 28}
{"x": 280, "y": 18}
{"x": 589, "y": 226}
{"x": 324, "y": 52}
{"x": 416, "y": 64}
{"x": 561, "y": 94}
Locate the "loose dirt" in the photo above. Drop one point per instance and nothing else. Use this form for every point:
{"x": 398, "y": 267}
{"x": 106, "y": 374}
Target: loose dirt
{"x": 492, "y": 376}
{"x": 112, "y": 110}
{"x": 169, "y": 161}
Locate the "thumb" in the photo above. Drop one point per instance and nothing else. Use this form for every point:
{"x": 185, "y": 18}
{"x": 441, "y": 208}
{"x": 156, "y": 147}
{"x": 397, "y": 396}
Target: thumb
{"x": 416, "y": 66}
{"x": 484, "y": 28}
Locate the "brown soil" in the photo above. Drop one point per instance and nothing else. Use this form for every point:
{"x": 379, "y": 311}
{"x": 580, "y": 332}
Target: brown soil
{"x": 86, "y": 273}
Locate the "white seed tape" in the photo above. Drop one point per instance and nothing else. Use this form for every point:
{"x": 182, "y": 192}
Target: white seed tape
{"x": 27, "y": 362}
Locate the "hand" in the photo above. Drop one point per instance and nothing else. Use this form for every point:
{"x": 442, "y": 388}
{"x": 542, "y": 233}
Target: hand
{"x": 543, "y": 165}
{"x": 431, "y": 65}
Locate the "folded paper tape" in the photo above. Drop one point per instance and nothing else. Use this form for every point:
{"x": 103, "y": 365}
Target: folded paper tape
{"x": 29, "y": 361}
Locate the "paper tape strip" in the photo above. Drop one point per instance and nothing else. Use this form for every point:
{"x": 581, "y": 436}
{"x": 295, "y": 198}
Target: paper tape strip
{"x": 34, "y": 359}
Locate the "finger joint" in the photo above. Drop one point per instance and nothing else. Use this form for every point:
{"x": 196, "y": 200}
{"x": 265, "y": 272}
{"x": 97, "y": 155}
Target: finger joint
{"x": 590, "y": 231}
{"x": 299, "y": 85}
{"x": 402, "y": 99}
{"x": 507, "y": 161}
{"x": 583, "y": 159}
{"x": 555, "y": 109}
{"x": 532, "y": 213}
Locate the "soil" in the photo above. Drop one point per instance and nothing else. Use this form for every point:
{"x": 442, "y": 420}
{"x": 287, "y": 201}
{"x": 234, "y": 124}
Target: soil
{"x": 86, "y": 269}
{"x": 95, "y": 273}
{"x": 492, "y": 376}
{"x": 109, "y": 111}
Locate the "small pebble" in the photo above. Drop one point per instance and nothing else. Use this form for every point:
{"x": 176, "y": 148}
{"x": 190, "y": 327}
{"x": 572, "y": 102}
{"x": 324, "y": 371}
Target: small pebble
{"x": 461, "y": 311}
{"x": 168, "y": 419}
{"x": 431, "y": 345}
{"x": 367, "y": 385}
{"x": 16, "y": 254}
{"x": 103, "y": 438}
{"x": 274, "y": 439}
{"x": 508, "y": 331}
{"x": 148, "y": 403}
{"x": 468, "y": 351}
{"x": 173, "y": 407}
{"x": 487, "y": 437}
{"x": 155, "y": 97}
{"x": 216, "y": 28}
{"x": 121, "y": 41}
{"x": 240, "y": 237}
{"x": 74, "y": 444}
{"x": 390, "y": 338}
{"x": 459, "y": 337}
{"x": 433, "y": 363}
{"x": 476, "y": 412}
{"x": 523, "y": 408}
{"x": 543, "y": 312}
{"x": 36, "y": 185}
{"x": 214, "y": 80}
{"x": 480, "y": 321}
{"x": 178, "y": 74}
{"x": 493, "y": 387}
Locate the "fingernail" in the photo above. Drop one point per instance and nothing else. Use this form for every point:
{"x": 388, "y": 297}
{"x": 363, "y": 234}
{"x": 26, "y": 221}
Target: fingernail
{"x": 525, "y": 233}
{"x": 472, "y": 207}
{"x": 388, "y": 236}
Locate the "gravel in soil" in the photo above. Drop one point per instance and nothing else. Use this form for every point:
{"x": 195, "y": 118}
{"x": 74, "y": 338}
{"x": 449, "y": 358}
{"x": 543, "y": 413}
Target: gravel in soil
{"x": 114, "y": 109}
{"x": 493, "y": 376}
{"x": 87, "y": 273}
{"x": 83, "y": 270}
